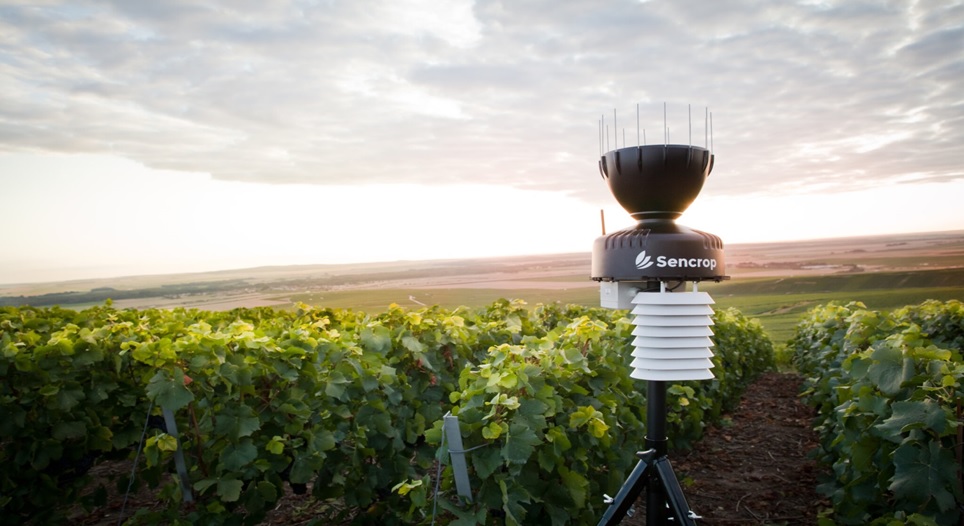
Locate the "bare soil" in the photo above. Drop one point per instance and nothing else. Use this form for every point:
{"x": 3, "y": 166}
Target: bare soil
{"x": 755, "y": 469}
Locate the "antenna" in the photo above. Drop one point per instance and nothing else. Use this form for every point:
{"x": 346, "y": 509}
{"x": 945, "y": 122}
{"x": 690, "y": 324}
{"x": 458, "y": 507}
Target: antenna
{"x": 615, "y": 139}
{"x": 706, "y": 128}
{"x": 665, "y": 128}
{"x": 637, "y": 124}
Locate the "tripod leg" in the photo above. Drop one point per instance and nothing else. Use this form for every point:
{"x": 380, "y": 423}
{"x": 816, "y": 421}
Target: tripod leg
{"x": 627, "y": 495}
{"x": 674, "y": 493}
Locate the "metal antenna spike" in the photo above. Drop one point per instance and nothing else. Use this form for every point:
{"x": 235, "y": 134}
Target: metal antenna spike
{"x": 711, "y": 133}
{"x": 615, "y": 130}
{"x": 637, "y": 124}
{"x": 706, "y": 128}
{"x": 665, "y": 128}
{"x": 689, "y": 111}
{"x": 602, "y": 133}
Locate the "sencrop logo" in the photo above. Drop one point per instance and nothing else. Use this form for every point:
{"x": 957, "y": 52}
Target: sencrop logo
{"x": 644, "y": 261}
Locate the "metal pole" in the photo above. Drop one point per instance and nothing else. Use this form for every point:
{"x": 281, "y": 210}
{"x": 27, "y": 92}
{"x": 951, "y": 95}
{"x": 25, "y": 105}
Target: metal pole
{"x": 656, "y": 511}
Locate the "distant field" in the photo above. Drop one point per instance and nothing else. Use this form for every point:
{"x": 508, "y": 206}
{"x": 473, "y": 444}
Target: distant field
{"x": 379, "y": 300}
{"x": 778, "y": 303}
{"x": 773, "y": 282}
{"x": 780, "y": 312}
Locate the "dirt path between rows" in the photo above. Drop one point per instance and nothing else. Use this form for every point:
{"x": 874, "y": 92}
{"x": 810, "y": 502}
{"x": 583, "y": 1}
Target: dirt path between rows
{"x": 755, "y": 469}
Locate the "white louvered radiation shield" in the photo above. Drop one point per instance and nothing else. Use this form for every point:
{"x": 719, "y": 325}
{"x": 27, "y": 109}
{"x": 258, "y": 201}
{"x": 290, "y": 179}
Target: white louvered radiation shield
{"x": 672, "y": 336}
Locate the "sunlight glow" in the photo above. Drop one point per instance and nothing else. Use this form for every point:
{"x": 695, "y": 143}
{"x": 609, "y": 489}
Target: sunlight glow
{"x": 104, "y": 216}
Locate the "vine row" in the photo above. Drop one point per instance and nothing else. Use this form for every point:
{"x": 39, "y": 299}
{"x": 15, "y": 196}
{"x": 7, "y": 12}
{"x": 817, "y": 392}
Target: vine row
{"x": 889, "y": 389}
{"x": 342, "y": 404}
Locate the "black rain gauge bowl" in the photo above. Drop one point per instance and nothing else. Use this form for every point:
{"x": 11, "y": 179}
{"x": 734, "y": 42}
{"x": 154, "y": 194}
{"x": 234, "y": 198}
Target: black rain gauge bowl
{"x": 641, "y": 268}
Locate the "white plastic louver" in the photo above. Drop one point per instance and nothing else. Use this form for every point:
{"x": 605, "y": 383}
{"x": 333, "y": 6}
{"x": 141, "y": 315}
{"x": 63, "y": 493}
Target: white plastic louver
{"x": 672, "y": 336}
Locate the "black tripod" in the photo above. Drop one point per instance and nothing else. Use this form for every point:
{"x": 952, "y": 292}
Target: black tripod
{"x": 664, "y": 497}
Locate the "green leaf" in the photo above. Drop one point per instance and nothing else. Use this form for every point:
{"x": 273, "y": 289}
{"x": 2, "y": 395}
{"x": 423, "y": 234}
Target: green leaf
{"x": 276, "y": 445}
{"x": 322, "y": 440}
{"x": 931, "y": 353}
{"x": 236, "y": 456}
{"x": 924, "y": 471}
{"x": 913, "y": 414}
{"x": 304, "y": 468}
{"x": 520, "y": 444}
{"x": 230, "y": 490}
{"x": 402, "y": 488}
{"x": 412, "y": 344}
{"x": 335, "y": 390}
{"x": 101, "y": 439}
{"x": 589, "y": 416}
{"x": 168, "y": 392}
{"x": 336, "y": 385}
{"x": 532, "y": 413}
{"x": 68, "y": 430}
{"x": 486, "y": 461}
{"x": 560, "y": 441}
{"x": 376, "y": 339}
{"x": 863, "y": 451}
{"x": 492, "y": 431}
{"x": 889, "y": 370}
{"x": 237, "y": 422}
{"x": 202, "y": 485}
{"x": 513, "y": 496}
{"x": 268, "y": 491}
{"x": 68, "y": 398}
{"x": 166, "y": 442}
{"x": 576, "y": 484}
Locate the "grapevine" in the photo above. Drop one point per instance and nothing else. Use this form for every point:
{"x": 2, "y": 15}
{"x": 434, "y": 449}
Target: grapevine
{"x": 344, "y": 403}
{"x": 888, "y": 389}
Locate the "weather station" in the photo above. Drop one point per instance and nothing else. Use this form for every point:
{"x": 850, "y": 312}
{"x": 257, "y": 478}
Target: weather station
{"x": 646, "y": 268}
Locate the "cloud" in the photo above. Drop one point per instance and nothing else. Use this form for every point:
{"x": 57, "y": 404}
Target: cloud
{"x": 806, "y": 96}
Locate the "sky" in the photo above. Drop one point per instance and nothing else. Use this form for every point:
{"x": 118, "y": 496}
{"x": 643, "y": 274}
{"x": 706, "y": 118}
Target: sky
{"x": 192, "y": 135}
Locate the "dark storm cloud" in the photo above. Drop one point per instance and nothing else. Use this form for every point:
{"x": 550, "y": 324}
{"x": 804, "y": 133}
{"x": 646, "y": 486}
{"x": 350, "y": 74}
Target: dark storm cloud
{"x": 805, "y": 96}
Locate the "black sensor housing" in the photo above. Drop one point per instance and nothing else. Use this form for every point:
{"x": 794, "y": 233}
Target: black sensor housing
{"x": 656, "y": 184}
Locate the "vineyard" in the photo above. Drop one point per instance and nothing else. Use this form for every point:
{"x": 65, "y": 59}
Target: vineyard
{"x": 223, "y": 414}
{"x": 889, "y": 390}
{"x": 344, "y": 405}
